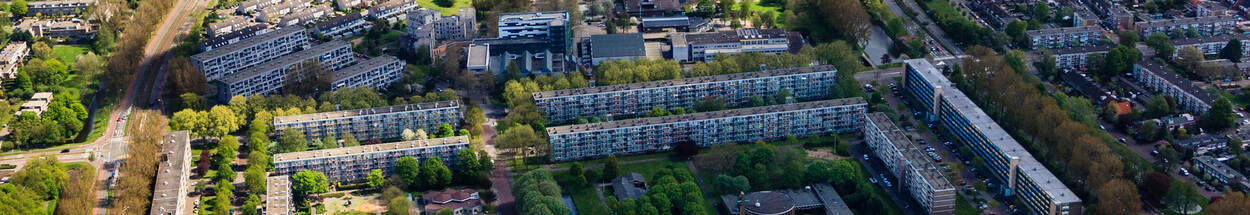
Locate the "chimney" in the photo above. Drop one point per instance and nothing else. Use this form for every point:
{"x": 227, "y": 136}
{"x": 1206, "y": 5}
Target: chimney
{"x": 742, "y": 198}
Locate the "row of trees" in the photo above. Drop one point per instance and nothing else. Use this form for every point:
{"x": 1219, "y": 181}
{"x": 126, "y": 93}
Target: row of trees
{"x": 537, "y": 193}
{"x": 59, "y": 124}
{"x": 40, "y": 180}
{"x": 147, "y": 129}
{"x": 129, "y": 52}
{"x": 670, "y": 191}
{"x": 836, "y": 53}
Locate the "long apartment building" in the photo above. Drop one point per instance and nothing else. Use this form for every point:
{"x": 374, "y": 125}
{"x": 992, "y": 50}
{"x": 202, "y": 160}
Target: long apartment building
{"x": 637, "y": 99}
{"x": 1221, "y": 172}
{"x": 657, "y": 134}
{"x": 908, "y": 162}
{"x": 373, "y": 123}
{"x": 1151, "y": 75}
{"x": 228, "y": 59}
{"x": 1077, "y": 58}
{"x": 378, "y": 73}
{"x": 1054, "y": 38}
{"x": 1211, "y": 45}
{"x": 169, "y": 197}
{"x": 278, "y": 195}
{"x": 1007, "y": 161}
{"x": 391, "y": 10}
{"x": 353, "y": 164}
{"x": 706, "y": 46}
{"x": 269, "y": 78}
{"x": 58, "y": 7}
{"x": 1205, "y": 25}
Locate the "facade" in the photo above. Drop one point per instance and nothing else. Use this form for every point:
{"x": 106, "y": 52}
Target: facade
{"x": 1213, "y": 44}
{"x": 1205, "y": 25}
{"x": 648, "y": 8}
{"x": 305, "y": 16}
{"x": 278, "y": 195}
{"x": 57, "y": 28}
{"x": 427, "y": 23}
{"x": 270, "y": 77}
{"x": 235, "y": 36}
{"x": 1054, "y": 38}
{"x": 273, "y": 13}
{"x": 919, "y": 175}
{"x": 1150, "y": 75}
{"x": 353, "y": 164}
{"x": 38, "y": 103}
{"x": 677, "y": 23}
{"x": 228, "y": 59}
{"x": 11, "y": 57}
{"x": 227, "y": 25}
{"x": 1076, "y": 58}
{"x": 610, "y": 47}
{"x": 1221, "y": 172}
{"x": 169, "y": 197}
{"x": 58, "y": 7}
{"x": 637, "y": 99}
{"x": 1008, "y": 162}
{"x": 377, "y": 73}
{"x": 381, "y": 123}
{"x": 249, "y": 6}
{"x": 705, "y": 129}
{"x": 341, "y": 26}
{"x": 705, "y": 46}
{"x": 459, "y": 201}
{"x": 391, "y": 10}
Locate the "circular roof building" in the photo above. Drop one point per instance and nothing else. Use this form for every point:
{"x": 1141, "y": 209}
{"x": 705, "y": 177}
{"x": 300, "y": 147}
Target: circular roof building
{"x": 767, "y": 203}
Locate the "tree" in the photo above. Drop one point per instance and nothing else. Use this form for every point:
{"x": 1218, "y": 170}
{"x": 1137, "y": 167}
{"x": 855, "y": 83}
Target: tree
{"x": 444, "y": 3}
{"x": 408, "y": 169}
{"x": 408, "y": 135}
{"x": 467, "y": 164}
{"x": 398, "y": 206}
{"x": 1147, "y": 130}
{"x": 1128, "y": 38}
{"x": 1235, "y": 146}
{"x": 1118, "y": 197}
{"x": 445, "y": 130}
{"x": 536, "y": 192}
{"x": 44, "y": 175}
{"x": 725, "y": 184}
{"x": 435, "y": 174}
{"x": 41, "y": 50}
{"x": 1232, "y": 203}
{"x": 251, "y": 206}
{"x": 1156, "y": 186}
{"x": 308, "y": 182}
{"x": 1161, "y": 44}
{"x": 1232, "y": 50}
{"x": 376, "y": 179}
{"x": 519, "y": 137}
{"x": 1183, "y": 196}
{"x": 350, "y": 140}
{"x": 18, "y": 8}
{"x": 307, "y": 78}
{"x": 1189, "y": 57}
{"x": 221, "y": 121}
{"x": 292, "y": 140}
{"x": 1041, "y": 12}
{"x": 611, "y": 168}
{"x": 254, "y": 178}
{"x": 1219, "y": 117}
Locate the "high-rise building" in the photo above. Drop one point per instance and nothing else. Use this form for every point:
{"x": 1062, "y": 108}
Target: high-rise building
{"x": 270, "y": 77}
{"x": 381, "y": 123}
{"x": 353, "y": 163}
{"x": 219, "y": 62}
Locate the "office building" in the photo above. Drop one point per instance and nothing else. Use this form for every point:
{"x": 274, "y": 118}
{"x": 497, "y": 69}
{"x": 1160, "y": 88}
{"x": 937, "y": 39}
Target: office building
{"x": 1211, "y": 45}
{"x": 534, "y": 24}
{"x": 11, "y": 56}
{"x": 235, "y": 36}
{"x": 1204, "y": 26}
{"x": 377, "y": 73}
{"x": 353, "y": 163}
{"x": 1020, "y": 175}
{"x": 637, "y": 99}
{"x": 228, "y": 59}
{"x": 57, "y": 28}
{"x": 1221, "y": 172}
{"x": 907, "y": 161}
{"x": 427, "y": 23}
{"x": 1076, "y": 58}
{"x": 609, "y": 47}
{"x": 674, "y": 23}
{"x": 270, "y": 77}
{"x": 341, "y": 26}
{"x": 169, "y": 197}
{"x": 391, "y": 10}
{"x": 1153, "y": 76}
{"x": 537, "y": 42}
{"x": 1055, "y": 38}
{"x": 651, "y": 8}
{"x": 705, "y": 129}
{"x": 278, "y": 195}
{"x": 706, "y": 46}
{"x": 58, "y": 7}
{"x": 382, "y": 123}
{"x": 38, "y": 103}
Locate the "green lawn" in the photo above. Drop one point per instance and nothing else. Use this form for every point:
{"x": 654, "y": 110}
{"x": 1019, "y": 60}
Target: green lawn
{"x": 447, "y": 11}
{"x": 68, "y": 53}
{"x": 962, "y": 207}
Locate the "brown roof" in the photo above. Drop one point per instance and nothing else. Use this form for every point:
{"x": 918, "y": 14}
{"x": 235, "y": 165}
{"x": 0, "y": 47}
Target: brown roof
{"x": 449, "y": 194}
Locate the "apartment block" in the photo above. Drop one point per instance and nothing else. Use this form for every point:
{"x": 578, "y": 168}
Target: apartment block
{"x": 229, "y": 59}
{"x": 278, "y": 195}
{"x": 637, "y": 99}
{"x": 1076, "y": 58}
{"x": 1221, "y": 172}
{"x": 919, "y": 175}
{"x": 57, "y": 28}
{"x": 534, "y": 24}
{"x": 1021, "y": 175}
{"x": 229, "y": 24}
{"x": 270, "y": 77}
{"x": 235, "y": 36}
{"x": 11, "y": 56}
{"x": 427, "y": 23}
{"x": 377, "y": 73}
{"x": 305, "y": 16}
{"x": 58, "y": 7}
{"x": 1212, "y": 45}
{"x": 1204, "y": 25}
{"x": 342, "y": 26}
{"x": 353, "y": 164}
{"x": 169, "y": 197}
{"x": 706, "y": 46}
{"x": 272, "y": 13}
{"x": 381, "y": 123}
{"x": 391, "y": 10}
{"x": 1055, "y": 38}
{"x": 1156, "y": 78}
{"x": 37, "y": 104}
{"x": 705, "y": 129}
{"x": 249, "y": 6}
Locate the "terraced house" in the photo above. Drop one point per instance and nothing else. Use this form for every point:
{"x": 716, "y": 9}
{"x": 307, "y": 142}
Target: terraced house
{"x": 906, "y": 161}
{"x": 705, "y": 129}
{"x": 271, "y": 77}
{"x": 637, "y": 99}
{"x": 353, "y": 164}
{"x": 1204, "y": 25}
{"x": 1021, "y": 175}
{"x": 228, "y": 59}
{"x": 381, "y": 123}
{"x": 1054, "y": 38}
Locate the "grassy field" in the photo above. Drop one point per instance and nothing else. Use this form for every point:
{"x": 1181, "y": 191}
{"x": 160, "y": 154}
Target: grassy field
{"x": 447, "y": 11}
{"x": 68, "y": 53}
{"x": 962, "y": 207}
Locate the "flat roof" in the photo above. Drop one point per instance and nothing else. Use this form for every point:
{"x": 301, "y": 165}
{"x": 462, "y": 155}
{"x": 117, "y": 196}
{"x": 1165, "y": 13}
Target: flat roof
{"x": 1187, "y": 20}
{"x": 1211, "y": 39}
{"x": 286, "y": 60}
{"x": 911, "y": 151}
{"x": 479, "y": 55}
{"x": 170, "y": 185}
{"x": 735, "y": 35}
{"x": 218, "y": 52}
{"x": 366, "y": 149}
{"x": 1178, "y": 81}
{"x": 557, "y": 18}
{"x": 705, "y": 115}
{"x": 241, "y": 33}
{"x": 365, "y": 66}
{"x": 684, "y": 81}
{"x": 1083, "y": 49}
{"x": 278, "y": 195}
{"x": 1078, "y": 29}
{"x": 617, "y": 45}
{"x": 364, "y": 112}
{"x": 338, "y": 21}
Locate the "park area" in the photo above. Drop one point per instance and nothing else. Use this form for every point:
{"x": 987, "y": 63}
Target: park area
{"x": 446, "y": 11}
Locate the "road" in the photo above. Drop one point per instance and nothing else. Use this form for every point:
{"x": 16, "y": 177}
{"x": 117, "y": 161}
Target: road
{"x": 929, "y": 26}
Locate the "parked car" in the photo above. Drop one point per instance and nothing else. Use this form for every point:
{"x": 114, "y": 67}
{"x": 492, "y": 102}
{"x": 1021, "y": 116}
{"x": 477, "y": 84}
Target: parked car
{"x": 1184, "y": 172}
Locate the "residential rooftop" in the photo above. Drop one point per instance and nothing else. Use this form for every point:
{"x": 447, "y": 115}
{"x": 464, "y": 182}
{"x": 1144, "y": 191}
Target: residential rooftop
{"x": 1065, "y": 30}
{"x": 1187, "y": 21}
{"x": 558, "y": 18}
{"x": 338, "y": 21}
{"x": 736, "y": 35}
{"x": 1210, "y": 39}
{"x": 704, "y": 115}
{"x": 365, "y": 66}
{"x": 1219, "y": 167}
{"x": 363, "y": 112}
{"x": 278, "y": 195}
{"x": 684, "y": 81}
{"x": 617, "y": 45}
{"x": 284, "y": 61}
{"x": 170, "y": 174}
{"x": 1176, "y": 79}
{"x": 1082, "y": 49}
{"x": 914, "y": 154}
{"x": 367, "y": 149}
{"x": 217, "y": 52}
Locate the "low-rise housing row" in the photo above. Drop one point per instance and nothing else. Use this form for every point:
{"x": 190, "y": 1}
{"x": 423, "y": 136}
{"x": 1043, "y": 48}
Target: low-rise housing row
{"x": 706, "y": 46}
{"x": 58, "y": 28}
{"x": 1151, "y": 75}
{"x": 341, "y": 26}
{"x": 382, "y": 123}
{"x": 38, "y": 103}
{"x": 228, "y": 25}
{"x": 169, "y": 197}
{"x": 638, "y": 99}
{"x": 228, "y": 59}
{"x": 305, "y": 16}
{"x": 907, "y": 162}
{"x": 705, "y": 129}
{"x": 1222, "y": 172}
{"x": 391, "y": 10}
{"x": 272, "y": 13}
{"x": 58, "y": 7}
{"x": 353, "y": 163}
{"x": 1204, "y": 25}
{"x": 270, "y": 77}
{"x": 1055, "y": 38}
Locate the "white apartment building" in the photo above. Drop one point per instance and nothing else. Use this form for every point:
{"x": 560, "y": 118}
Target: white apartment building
{"x": 353, "y": 164}
{"x": 11, "y": 56}
{"x": 270, "y": 77}
{"x": 1156, "y": 78}
{"x": 228, "y": 59}
{"x": 705, "y": 46}
{"x": 38, "y": 103}
{"x": 1205, "y": 25}
{"x": 169, "y": 197}
{"x": 1054, "y": 38}
{"x": 380, "y": 123}
{"x": 391, "y": 10}
{"x": 427, "y": 23}
{"x": 377, "y": 73}
{"x": 532, "y": 24}
{"x": 278, "y": 195}
{"x": 58, "y": 7}
{"x": 1077, "y": 58}
{"x": 905, "y": 160}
